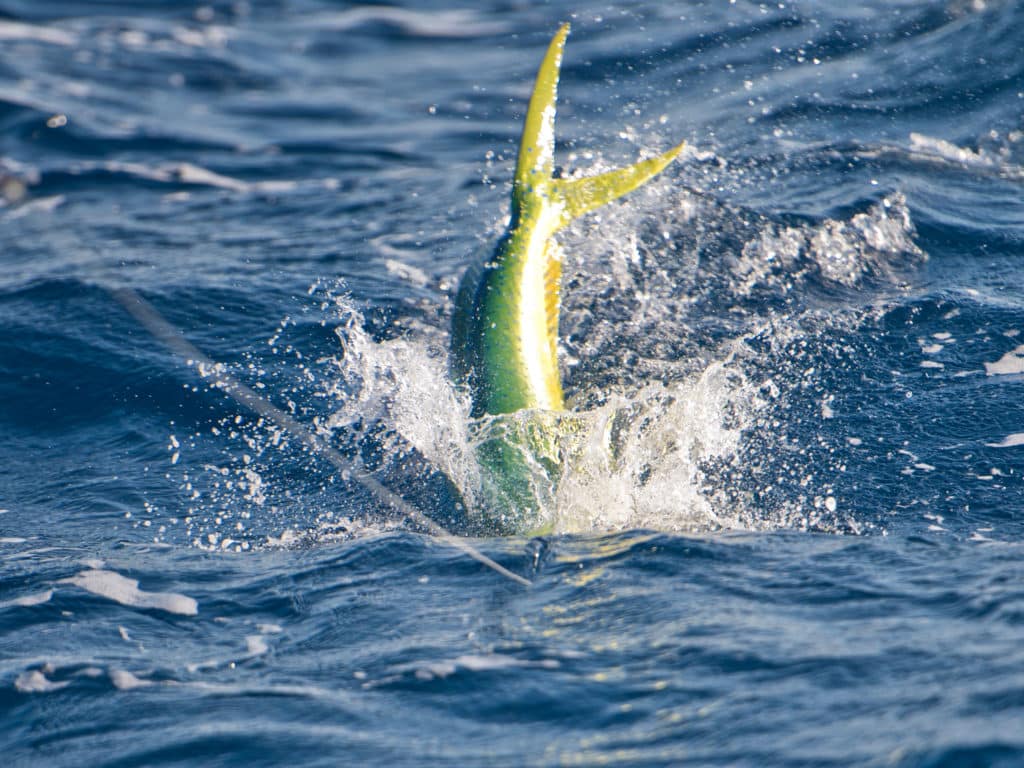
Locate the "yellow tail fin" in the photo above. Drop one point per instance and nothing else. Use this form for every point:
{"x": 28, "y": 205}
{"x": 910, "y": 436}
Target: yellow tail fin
{"x": 535, "y": 166}
{"x": 579, "y": 196}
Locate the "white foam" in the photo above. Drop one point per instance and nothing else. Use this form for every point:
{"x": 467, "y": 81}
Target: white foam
{"x": 480, "y": 662}
{"x": 400, "y": 382}
{"x": 190, "y": 173}
{"x": 646, "y": 471}
{"x": 126, "y": 591}
{"x": 13, "y": 30}
{"x": 28, "y": 601}
{"x": 483, "y": 662}
{"x": 256, "y": 645}
{"x": 936, "y": 150}
{"x": 38, "y": 205}
{"x": 36, "y": 682}
{"x": 208, "y": 36}
{"x": 1010, "y": 441}
{"x": 194, "y": 174}
{"x": 948, "y": 151}
{"x": 445, "y": 23}
{"x": 124, "y": 680}
{"x": 1010, "y": 363}
{"x": 403, "y": 271}
{"x": 842, "y": 250}
{"x": 827, "y": 412}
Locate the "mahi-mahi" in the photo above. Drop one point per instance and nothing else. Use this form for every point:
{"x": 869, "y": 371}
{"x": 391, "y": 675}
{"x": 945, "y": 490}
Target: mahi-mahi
{"x": 505, "y": 325}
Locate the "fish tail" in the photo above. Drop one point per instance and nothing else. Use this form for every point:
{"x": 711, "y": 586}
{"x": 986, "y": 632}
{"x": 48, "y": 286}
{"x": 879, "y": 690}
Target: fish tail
{"x": 535, "y": 164}
{"x": 580, "y": 196}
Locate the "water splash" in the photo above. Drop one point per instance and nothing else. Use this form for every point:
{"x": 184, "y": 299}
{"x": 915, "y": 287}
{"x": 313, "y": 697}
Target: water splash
{"x": 695, "y": 341}
{"x": 641, "y": 463}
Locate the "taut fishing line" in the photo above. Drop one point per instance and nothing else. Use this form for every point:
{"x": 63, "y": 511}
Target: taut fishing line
{"x": 174, "y": 339}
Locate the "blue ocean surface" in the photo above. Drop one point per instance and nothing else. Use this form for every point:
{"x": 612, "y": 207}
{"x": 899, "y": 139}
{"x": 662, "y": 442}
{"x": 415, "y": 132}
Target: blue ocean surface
{"x": 793, "y": 534}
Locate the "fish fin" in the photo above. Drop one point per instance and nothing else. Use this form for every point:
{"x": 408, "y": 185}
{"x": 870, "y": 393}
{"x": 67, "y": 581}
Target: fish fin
{"x": 536, "y": 162}
{"x": 537, "y": 145}
{"x": 580, "y": 196}
{"x": 463, "y": 359}
{"x": 552, "y": 291}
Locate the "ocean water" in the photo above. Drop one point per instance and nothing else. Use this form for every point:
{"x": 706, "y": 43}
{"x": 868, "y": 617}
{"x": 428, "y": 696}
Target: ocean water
{"x": 792, "y": 534}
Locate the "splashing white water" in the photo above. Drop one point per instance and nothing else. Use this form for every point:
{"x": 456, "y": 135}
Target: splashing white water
{"x": 682, "y": 428}
{"x": 404, "y": 384}
{"x": 641, "y": 463}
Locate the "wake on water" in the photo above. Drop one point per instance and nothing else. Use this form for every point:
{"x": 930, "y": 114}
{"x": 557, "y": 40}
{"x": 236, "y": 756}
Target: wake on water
{"x": 692, "y": 341}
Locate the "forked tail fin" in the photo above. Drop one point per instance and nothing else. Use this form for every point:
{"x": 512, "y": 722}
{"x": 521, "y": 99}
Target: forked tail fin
{"x": 535, "y": 165}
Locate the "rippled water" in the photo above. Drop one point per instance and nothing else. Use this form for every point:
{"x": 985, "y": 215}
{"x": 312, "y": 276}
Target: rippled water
{"x": 790, "y": 534}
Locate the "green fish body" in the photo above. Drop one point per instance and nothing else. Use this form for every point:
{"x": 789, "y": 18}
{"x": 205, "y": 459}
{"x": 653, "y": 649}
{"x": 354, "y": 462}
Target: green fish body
{"x": 505, "y": 325}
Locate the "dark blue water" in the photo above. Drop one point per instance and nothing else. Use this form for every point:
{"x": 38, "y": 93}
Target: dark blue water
{"x": 794, "y": 537}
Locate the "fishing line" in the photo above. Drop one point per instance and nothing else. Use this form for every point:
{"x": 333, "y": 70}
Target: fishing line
{"x": 207, "y": 368}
